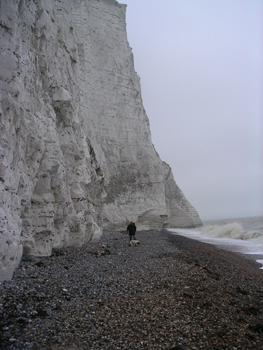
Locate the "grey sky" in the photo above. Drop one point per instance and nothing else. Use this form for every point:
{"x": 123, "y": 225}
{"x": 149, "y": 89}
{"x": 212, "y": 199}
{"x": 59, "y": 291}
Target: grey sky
{"x": 201, "y": 69}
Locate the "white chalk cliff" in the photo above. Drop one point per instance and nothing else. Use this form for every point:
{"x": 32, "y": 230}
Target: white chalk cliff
{"x": 76, "y": 154}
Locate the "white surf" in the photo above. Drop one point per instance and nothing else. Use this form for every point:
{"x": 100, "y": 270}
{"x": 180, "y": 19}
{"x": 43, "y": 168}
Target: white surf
{"x": 244, "y": 236}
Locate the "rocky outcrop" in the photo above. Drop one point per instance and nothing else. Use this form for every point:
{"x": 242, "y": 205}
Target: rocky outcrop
{"x": 76, "y": 154}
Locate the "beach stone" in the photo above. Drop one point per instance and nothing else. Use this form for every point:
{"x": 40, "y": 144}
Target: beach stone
{"x": 252, "y": 310}
{"x": 76, "y": 154}
{"x": 241, "y": 290}
{"x": 133, "y": 300}
{"x": 257, "y": 327}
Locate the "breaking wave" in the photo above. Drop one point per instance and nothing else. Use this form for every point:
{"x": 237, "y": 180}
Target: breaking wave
{"x": 233, "y": 236}
{"x": 232, "y": 230}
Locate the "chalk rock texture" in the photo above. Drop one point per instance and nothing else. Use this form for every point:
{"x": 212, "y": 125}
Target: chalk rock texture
{"x": 76, "y": 154}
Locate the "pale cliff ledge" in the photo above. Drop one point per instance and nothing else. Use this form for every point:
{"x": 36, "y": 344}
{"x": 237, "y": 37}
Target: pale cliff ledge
{"x": 75, "y": 146}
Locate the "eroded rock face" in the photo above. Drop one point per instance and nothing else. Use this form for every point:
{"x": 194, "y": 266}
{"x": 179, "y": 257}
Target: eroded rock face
{"x": 75, "y": 145}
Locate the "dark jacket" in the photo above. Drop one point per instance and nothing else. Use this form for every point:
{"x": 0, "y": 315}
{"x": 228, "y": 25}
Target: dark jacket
{"x": 131, "y": 228}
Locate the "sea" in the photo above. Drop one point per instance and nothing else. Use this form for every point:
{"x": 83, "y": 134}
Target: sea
{"x": 242, "y": 235}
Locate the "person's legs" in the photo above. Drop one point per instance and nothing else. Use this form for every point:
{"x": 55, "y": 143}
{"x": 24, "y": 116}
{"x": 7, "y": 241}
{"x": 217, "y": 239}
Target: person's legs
{"x": 132, "y": 237}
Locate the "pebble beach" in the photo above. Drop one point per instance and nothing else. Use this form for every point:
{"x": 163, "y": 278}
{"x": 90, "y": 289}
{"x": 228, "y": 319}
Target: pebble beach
{"x": 169, "y": 292}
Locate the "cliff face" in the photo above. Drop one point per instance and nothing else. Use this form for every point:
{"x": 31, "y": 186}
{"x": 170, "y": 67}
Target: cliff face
{"x": 76, "y": 153}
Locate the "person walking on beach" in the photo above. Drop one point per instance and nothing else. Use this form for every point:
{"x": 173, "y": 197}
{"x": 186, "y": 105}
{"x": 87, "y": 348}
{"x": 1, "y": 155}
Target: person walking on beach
{"x": 131, "y": 228}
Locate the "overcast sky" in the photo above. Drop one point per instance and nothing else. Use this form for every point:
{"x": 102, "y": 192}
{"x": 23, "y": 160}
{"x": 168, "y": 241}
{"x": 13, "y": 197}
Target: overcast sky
{"x": 201, "y": 69}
